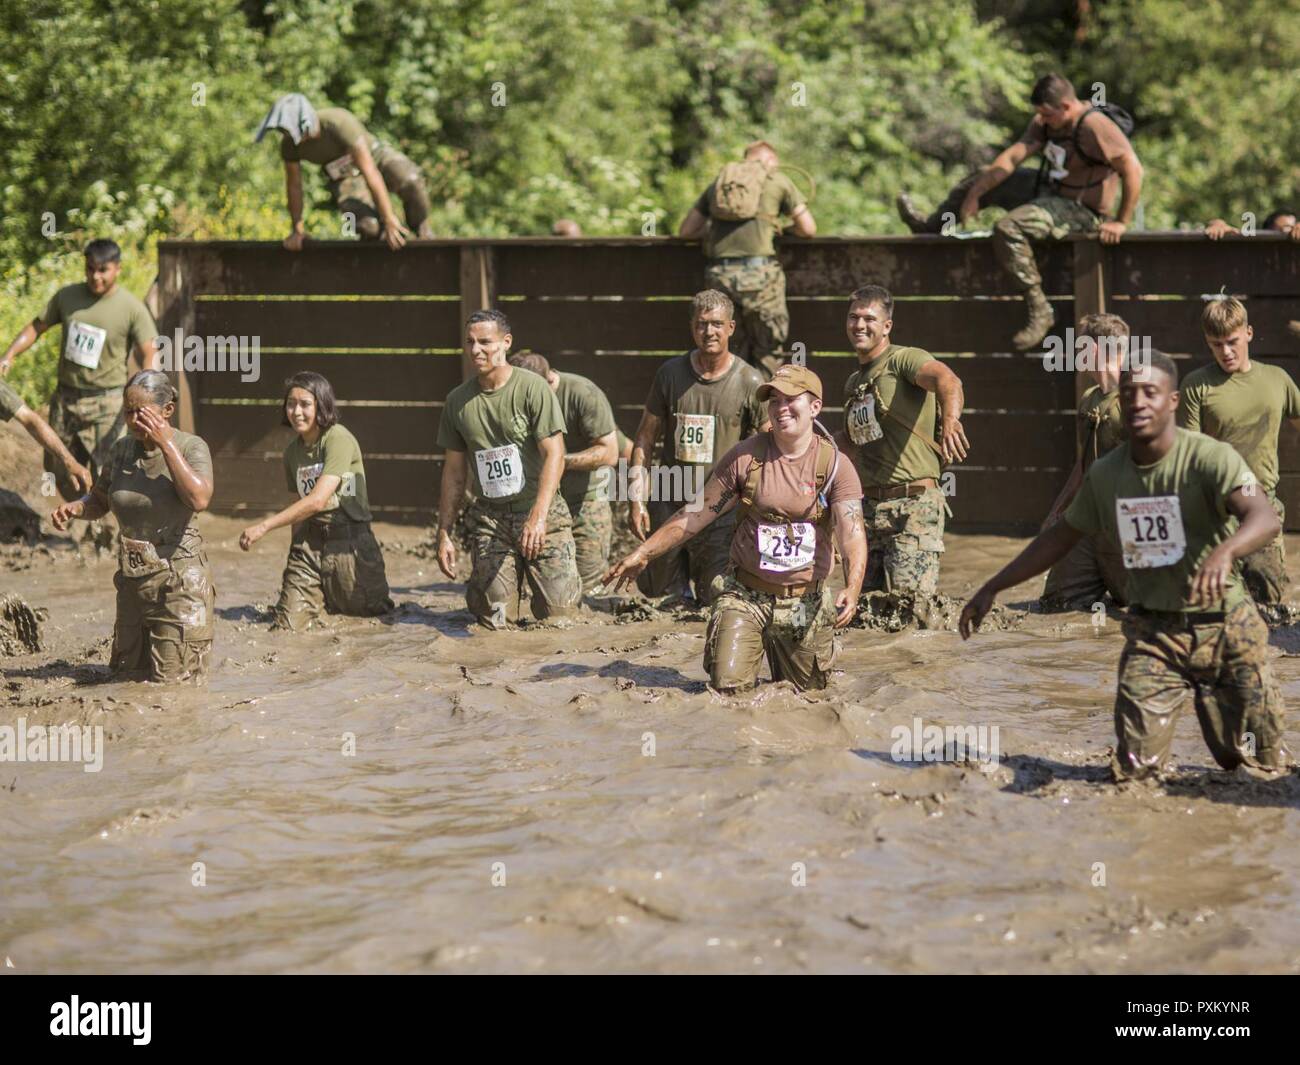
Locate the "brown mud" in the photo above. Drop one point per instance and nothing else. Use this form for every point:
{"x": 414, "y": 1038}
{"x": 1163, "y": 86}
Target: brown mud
{"x": 414, "y": 793}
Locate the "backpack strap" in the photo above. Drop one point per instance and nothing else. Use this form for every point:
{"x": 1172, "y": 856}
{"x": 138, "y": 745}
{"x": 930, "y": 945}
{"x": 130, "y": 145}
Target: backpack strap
{"x": 824, "y": 470}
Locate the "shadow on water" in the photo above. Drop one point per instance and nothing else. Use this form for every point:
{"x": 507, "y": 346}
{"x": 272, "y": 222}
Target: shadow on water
{"x": 649, "y": 676}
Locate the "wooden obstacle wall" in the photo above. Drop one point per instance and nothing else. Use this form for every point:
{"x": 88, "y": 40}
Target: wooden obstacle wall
{"x": 387, "y": 330}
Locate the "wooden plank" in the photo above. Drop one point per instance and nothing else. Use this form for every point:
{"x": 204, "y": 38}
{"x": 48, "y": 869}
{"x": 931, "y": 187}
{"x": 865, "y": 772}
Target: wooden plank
{"x": 576, "y": 268}
{"x": 333, "y": 323}
{"x": 1002, "y": 501}
{"x": 338, "y": 269}
{"x": 1020, "y": 440}
{"x": 1250, "y": 266}
{"x": 1091, "y": 277}
{"x": 1175, "y": 325}
{"x": 239, "y": 429}
{"x": 355, "y": 376}
{"x": 478, "y": 292}
{"x": 256, "y": 485}
{"x": 182, "y": 272}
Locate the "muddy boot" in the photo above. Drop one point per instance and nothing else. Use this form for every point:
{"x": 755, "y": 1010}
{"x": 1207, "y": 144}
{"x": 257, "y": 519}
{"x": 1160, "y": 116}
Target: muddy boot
{"x": 1041, "y": 317}
{"x": 912, "y": 218}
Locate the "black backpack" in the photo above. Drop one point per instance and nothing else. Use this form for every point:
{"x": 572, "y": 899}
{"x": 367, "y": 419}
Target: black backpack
{"x": 1116, "y": 114}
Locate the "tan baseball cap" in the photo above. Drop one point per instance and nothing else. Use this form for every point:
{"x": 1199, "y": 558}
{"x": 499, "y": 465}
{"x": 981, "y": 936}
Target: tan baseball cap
{"x": 790, "y": 380}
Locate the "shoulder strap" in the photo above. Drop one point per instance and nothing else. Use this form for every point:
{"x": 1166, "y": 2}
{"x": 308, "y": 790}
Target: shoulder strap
{"x": 928, "y": 441}
{"x": 827, "y": 455}
{"x": 749, "y": 490}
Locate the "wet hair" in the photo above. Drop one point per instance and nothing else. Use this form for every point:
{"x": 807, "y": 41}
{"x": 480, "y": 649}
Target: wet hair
{"x": 1159, "y": 361}
{"x": 530, "y": 360}
{"x": 1102, "y": 325}
{"x": 103, "y": 251}
{"x": 322, "y": 391}
{"x": 873, "y": 294}
{"x": 1052, "y": 90}
{"x": 498, "y": 319}
{"x": 155, "y": 384}
{"x": 1281, "y": 212}
{"x": 709, "y": 300}
{"x": 1223, "y": 316}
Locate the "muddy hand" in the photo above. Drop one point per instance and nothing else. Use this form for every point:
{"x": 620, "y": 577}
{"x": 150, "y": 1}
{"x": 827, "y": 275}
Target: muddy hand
{"x": 447, "y": 556}
{"x": 64, "y": 514}
{"x": 624, "y": 574}
{"x": 846, "y": 605}
{"x": 974, "y": 612}
{"x": 1211, "y": 579}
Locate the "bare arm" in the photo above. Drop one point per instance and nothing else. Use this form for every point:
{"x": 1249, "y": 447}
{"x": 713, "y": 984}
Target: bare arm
{"x": 533, "y": 537}
{"x": 604, "y": 452}
{"x": 194, "y": 489}
{"x": 1046, "y": 549}
{"x": 1066, "y": 495}
{"x": 293, "y": 196}
{"x": 300, "y": 510}
{"x": 935, "y": 377}
{"x": 39, "y": 430}
{"x": 90, "y": 507}
{"x": 994, "y": 174}
{"x": 28, "y": 336}
{"x": 1130, "y": 172}
{"x": 802, "y": 222}
{"x": 851, "y": 538}
{"x": 454, "y": 472}
{"x": 642, "y": 445}
{"x": 693, "y": 225}
{"x": 1258, "y": 525}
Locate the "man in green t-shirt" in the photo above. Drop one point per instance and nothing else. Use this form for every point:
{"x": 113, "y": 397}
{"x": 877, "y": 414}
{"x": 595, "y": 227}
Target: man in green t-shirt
{"x": 700, "y": 406}
{"x": 889, "y": 430}
{"x": 1181, "y": 508}
{"x": 102, "y": 324}
{"x": 361, "y": 170}
{"x": 13, "y": 407}
{"x": 738, "y": 231}
{"x": 504, "y": 435}
{"x": 1094, "y": 565}
{"x": 1243, "y": 404}
{"x": 590, "y": 450}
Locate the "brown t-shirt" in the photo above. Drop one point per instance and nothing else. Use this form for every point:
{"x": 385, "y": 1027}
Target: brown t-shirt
{"x": 786, "y": 487}
{"x": 1073, "y": 175}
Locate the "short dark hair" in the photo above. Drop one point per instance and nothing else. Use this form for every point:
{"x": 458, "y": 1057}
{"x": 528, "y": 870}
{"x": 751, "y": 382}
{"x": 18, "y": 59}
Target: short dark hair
{"x": 1160, "y": 361}
{"x": 495, "y": 317}
{"x": 322, "y": 391}
{"x": 874, "y": 294}
{"x": 156, "y": 384}
{"x": 103, "y": 251}
{"x": 530, "y": 360}
{"x": 1052, "y": 90}
{"x": 1278, "y": 213}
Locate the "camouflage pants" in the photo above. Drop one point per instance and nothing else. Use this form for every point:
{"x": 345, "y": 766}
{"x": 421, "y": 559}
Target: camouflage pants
{"x": 501, "y": 572}
{"x": 336, "y": 567}
{"x": 702, "y": 560}
{"x": 164, "y": 621}
{"x": 904, "y": 543}
{"x": 762, "y": 319}
{"x": 798, "y": 635}
{"x": 593, "y": 532}
{"x": 1084, "y": 576}
{"x": 1046, "y": 218}
{"x": 89, "y": 426}
{"x": 1018, "y": 189}
{"x": 403, "y": 180}
{"x": 1224, "y": 663}
{"x": 1264, "y": 571}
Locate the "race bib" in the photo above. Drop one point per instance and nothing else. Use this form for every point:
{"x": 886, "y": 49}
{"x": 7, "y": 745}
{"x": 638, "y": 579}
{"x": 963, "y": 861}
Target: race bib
{"x": 307, "y": 478}
{"x": 500, "y": 471}
{"x": 1055, "y": 155}
{"x": 1150, "y": 531}
{"x": 784, "y": 548}
{"x": 861, "y": 418}
{"x": 85, "y": 344}
{"x": 343, "y": 166}
{"x": 694, "y": 439}
{"x": 138, "y": 558}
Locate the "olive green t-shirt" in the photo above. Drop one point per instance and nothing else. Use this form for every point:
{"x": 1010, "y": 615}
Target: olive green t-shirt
{"x": 753, "y": 236}
{"x": 10, "y": 402}
{"x": 337, "y": 453}
{"x": 1101, "y": 425}
{"x": 891, "y": 454}
{"x": 99, "y": 332}
{"x": 499, "y": 430}
{"x": 587, "y": 417}
{"x": 1244, "y": 409}
{"x": 1180, "y": 499}
{"x": 702, "y": 420}
{"x": 340, "y": 132}
{"x": 143, "y": 498}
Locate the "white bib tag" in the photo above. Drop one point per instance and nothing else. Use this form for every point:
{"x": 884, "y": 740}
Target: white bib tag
{"x": 1055, "y": 154}
{"x": 500, "y": 471}
{"x": 1150, "y": 531}
{"x": 341, "y": 167}
{"x": 861, "y": 419}
{"x": 138, "y": 558}
{"x": 307, "y": 478}
{"x": 694, "y": 439}
{"x": 784, "y": 548}
{"x": 85, "y": 344}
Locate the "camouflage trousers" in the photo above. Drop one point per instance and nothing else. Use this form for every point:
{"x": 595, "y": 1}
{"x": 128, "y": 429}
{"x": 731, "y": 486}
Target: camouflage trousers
{"x": 1046, "y": 218}
{"x": 904, "y": 543}
{"x": 336, "y": 567}
{"x": 501, "y": 573}
{"x": 702, "y": 561}
{"x": 1224, "y": 663}
{"x": 1019, "y": 188}
{"x": 593, "y": 533}
{"x": 163, "y": 629}
{"x": 1264, "y": 571}
{"x": 403, "y": 180}
{"x": 1084, "y": 576}
{"x": 762, "y": 319}
{"x": 89, "y": 425}
{"x": 797, "y": 633}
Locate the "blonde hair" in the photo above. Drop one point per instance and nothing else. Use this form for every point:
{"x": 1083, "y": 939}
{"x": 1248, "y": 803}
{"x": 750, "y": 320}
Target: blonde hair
{"x": 709, "y": 300}
{"x": 1224, "y": 316}
{"x": 1102, "y": 325}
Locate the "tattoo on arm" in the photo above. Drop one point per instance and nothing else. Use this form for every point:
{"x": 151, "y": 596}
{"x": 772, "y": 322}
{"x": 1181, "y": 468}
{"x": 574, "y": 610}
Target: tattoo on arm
{"x": 723, "y": 500}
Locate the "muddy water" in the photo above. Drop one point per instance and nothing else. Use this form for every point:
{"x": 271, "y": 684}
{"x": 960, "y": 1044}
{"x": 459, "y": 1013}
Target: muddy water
{"x": 771, "y": 833}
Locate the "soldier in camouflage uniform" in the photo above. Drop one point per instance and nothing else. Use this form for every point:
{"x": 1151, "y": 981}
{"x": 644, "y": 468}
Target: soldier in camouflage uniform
{"x": 890, "y": 431}
{"x": 1086, "y": 155}
{"x": 1178, "y": 505}
{"x": 742, "y": 255}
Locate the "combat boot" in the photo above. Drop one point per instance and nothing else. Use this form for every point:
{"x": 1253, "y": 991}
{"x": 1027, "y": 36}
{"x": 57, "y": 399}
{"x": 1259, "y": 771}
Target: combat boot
{"x": 1041, "y": 317}
{"x": 912, "y": 218}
